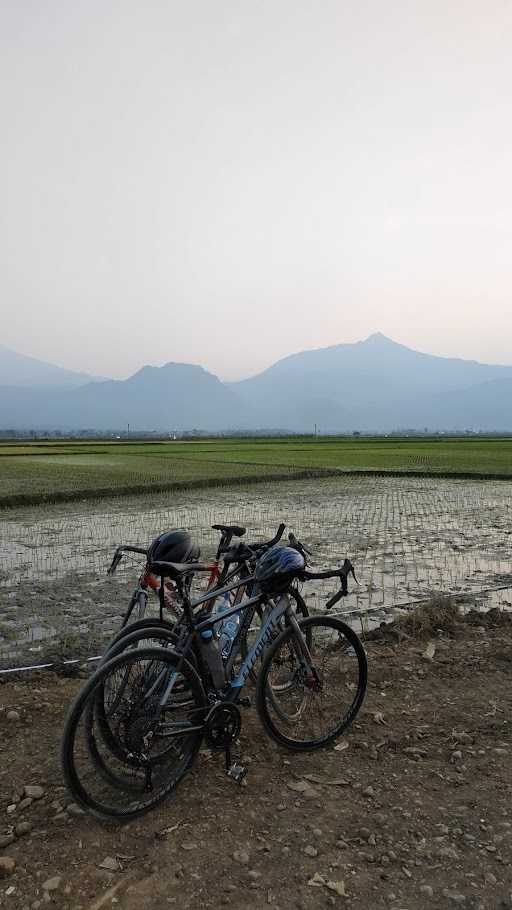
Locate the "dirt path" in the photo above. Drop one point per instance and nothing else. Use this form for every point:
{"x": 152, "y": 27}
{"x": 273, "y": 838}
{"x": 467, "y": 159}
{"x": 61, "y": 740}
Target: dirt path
{"x": 412, "y": 810}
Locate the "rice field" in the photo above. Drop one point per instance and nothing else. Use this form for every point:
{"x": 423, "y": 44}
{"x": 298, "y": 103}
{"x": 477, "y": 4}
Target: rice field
{"x": 409, "y": 538}
{"x": 57, "y": 471}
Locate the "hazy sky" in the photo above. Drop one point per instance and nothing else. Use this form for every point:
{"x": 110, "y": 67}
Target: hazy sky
{"x": 228, "y": 182}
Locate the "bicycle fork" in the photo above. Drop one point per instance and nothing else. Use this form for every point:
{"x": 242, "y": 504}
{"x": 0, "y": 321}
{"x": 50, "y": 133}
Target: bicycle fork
{"x": 300, "y": 647}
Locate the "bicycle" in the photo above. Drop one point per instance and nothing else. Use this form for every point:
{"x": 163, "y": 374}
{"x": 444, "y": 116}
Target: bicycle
{"x": 237, "y": 562}
{"x": 170, "y": 699}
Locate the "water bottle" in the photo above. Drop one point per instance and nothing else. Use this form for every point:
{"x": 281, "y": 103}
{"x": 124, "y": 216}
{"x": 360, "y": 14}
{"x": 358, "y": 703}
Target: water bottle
{"x": 228, "y": 628}
{"x": 211, "y": 653}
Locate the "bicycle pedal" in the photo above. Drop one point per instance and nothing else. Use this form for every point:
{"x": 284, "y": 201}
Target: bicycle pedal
{"x": 245, "y": 701}
{"x": 237, "y": 773}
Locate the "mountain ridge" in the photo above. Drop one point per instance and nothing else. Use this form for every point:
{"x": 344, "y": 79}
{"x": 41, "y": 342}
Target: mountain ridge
{"x": 31, "y": 371}
{"x": 375, "y": 384}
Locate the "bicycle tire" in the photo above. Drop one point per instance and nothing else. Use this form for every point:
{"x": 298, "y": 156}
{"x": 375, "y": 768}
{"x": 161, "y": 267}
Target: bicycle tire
{"x": 140, "y": 624}
{"x": 138, "y": 599}
{"x": 265, "y": 696}
{"x": 114, "y": 807}
{"x": 95, "y": 709}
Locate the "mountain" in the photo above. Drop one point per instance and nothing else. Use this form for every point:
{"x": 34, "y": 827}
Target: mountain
{"x": 483, "y": 407}
{"x": 374, "y": 384}
{"x": 177, "y": 396}
{"x": 20, "y": 370}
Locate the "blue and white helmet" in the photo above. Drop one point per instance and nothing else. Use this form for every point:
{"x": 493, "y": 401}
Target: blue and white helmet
{"x": 276, "y": 569}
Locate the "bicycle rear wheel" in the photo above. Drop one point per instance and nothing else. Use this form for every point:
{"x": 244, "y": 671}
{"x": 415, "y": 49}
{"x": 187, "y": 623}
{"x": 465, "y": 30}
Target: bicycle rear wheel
{"x": 312, "y": 685}
{"x": 155, "y": 744}
{"x": 99, "y": 708}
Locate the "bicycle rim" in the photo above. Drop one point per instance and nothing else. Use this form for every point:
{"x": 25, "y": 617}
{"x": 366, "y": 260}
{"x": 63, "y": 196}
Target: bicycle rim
{"x": 155, "y": 746}
{"x": 326, "y": 692}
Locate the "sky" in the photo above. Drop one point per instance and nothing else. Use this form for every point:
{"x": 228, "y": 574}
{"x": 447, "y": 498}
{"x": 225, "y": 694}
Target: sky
{"x": 227, "y": 183}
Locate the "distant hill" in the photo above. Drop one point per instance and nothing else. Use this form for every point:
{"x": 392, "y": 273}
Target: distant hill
{"x": 376, "y": 384}
{"x": 372, "y": 385}
{"x": 177, "y": 396}
{"x": 20, "y": 370}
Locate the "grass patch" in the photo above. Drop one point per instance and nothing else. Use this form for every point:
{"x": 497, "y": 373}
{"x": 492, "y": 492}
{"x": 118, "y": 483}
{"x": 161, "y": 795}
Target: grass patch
{"x": 440, "y": 614}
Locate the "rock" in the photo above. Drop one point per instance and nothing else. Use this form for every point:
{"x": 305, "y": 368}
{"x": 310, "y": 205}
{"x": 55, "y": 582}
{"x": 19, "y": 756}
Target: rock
{"x": 427, "y": 890}
{"x": 23, "y": 828}
{"x": 25, "y": 803}
{"x": 368, "y": 791}
{"x": 310, "y": 851}
{"x": 415, "y": 752}
{"x": 380, "y": 719}
{"x": 33, "y": 791}
{"x": 298, "y": 786}
{"x": 13, "y": 717}
{"x": 337, "y": 887}
{"x": 464, "y": 738}
{"x": 240, "y": 856}
{"x": 110, "y": 863}
{"x": 52, "y": 884}
{"x": 429, "y": 651}
{"x": 448, "y": 853}
{"x": 74, "y": 809}
{"x": 456, "y": 756}
{"x": 454, "y": 896}
{"x": 490, "y": 879}
{"x": 317, "y": 880}
{"x": 6, "y": 839}
{"x": 254, "y": 874}
{"x": 7, "y": 866}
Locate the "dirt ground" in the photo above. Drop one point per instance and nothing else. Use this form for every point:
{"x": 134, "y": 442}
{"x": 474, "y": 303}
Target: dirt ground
{"x": 411, "y": 810}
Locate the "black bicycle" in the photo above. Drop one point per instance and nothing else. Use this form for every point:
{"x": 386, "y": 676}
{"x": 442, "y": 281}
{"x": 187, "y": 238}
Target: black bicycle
{"x": 144, "y": 714}
{"x": 232, "y": 562}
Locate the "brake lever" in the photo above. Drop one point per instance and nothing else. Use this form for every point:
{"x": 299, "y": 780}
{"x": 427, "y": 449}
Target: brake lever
{"x": 346, "y": 570}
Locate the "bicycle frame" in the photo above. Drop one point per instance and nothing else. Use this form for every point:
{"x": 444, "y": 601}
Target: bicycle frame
{"x": 234, "y": 689}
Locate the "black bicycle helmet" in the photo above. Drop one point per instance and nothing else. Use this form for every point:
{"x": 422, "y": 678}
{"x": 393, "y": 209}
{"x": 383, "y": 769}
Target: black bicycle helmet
{"x": 276, "y": 569}
{"x": 173, "y": 546}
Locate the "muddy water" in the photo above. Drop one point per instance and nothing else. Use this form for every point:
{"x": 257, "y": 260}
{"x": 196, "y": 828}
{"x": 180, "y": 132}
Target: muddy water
{"x": 408, "y": 538}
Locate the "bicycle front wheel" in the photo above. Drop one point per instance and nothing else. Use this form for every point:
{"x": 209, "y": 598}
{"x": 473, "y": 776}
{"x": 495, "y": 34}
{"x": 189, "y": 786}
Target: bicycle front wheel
{"x": 312, "y": 685}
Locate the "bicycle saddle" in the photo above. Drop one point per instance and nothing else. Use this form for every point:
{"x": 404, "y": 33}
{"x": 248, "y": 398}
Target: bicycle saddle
{"x": 176, "y": 570}
{"x": 235, "y": 530}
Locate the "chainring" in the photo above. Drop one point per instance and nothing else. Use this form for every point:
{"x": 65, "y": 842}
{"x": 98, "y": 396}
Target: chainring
{"x": 222, "y": 726}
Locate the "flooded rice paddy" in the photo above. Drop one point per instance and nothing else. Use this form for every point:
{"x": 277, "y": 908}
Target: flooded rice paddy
{"x": 409, "y": 538}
